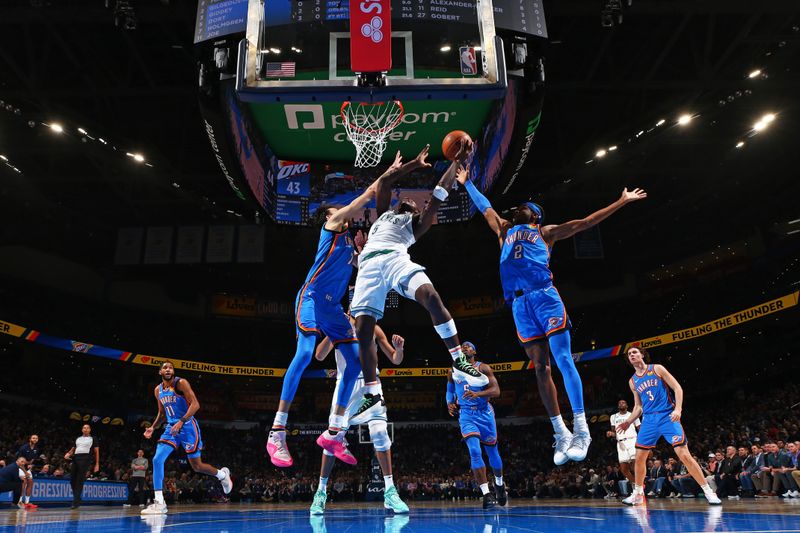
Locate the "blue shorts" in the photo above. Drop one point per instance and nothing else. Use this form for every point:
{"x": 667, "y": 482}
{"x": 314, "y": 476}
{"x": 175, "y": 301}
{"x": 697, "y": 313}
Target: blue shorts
{"x": 188, "y": 438}
{"x": 479, "y": 423}
{"x": 657, "y": 425}
{"x": 314, "y": 314}
{"x": 539, "y": 314}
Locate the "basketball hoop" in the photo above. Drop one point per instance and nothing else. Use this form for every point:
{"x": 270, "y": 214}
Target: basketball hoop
{"x": 368, "y": 125}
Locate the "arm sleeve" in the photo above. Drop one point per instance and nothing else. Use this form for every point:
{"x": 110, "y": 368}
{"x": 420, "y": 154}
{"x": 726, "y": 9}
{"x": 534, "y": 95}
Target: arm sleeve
{"x": 451, "y": 392}
{"x": 480, "y": 201}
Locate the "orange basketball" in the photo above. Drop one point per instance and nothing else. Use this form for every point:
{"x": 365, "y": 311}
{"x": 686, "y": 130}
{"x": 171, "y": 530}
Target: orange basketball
{"x": 452, "y": 143}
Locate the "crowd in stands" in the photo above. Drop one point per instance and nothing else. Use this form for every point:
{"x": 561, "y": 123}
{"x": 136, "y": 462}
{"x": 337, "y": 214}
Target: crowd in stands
{"x": 747, "y": 449}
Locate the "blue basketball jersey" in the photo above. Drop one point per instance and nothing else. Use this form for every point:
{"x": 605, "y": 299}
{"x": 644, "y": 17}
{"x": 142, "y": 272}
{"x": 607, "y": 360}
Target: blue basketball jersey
{"x": 524, "y": 261}
{"x": 333, "y": 265}
{"x": 174, "y": 404}
{"x": 462, "y": 387}
{"x": 655, "y": 395}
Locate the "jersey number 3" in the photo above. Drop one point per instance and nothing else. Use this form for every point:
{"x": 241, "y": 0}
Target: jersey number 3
{"x": 518, "y": 251}
{"x": 650, "y": 395}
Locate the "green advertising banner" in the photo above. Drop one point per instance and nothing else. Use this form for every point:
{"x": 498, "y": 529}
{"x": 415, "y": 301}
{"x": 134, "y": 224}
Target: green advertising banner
{"x": 314, "y": 131}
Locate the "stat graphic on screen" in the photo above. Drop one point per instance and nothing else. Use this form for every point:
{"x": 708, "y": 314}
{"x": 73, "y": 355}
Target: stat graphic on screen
{"x": 217, "y": 18}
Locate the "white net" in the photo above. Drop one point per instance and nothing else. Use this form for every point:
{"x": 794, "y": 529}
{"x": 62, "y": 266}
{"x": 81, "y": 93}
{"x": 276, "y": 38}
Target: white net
{"x": 368, "y": 125}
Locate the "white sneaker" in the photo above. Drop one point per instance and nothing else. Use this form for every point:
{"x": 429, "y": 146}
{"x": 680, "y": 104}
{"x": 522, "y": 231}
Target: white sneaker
{"x": 794, "y": 494}
{"x": 126, "y": 505}
{"x": 651, "y": 493}
{"x": 580, "y": 446}
{"x": 155, "y": 508}
{"x": 277, "y": 450}
{"x": 227, "y": 482}
{"x": 733, "y": 497}
{"x": 562, "y": 444}
{"x": 634, "y": 499}
{"x": 712, "y": 498}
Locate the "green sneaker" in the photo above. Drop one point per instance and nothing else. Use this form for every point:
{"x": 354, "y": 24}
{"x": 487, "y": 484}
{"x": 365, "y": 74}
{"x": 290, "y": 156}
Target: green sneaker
{"x": 392, "y": 501}
{"x": 318, "y": 505}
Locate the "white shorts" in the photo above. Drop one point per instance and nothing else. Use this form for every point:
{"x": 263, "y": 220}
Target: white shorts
{"x": 378, "y": 275}
{"x": 355, "y": 401}
{"x": 626, "y": 450}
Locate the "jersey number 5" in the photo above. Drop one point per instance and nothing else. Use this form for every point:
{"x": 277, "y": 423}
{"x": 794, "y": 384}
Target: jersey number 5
{"x": 518, "y": 251}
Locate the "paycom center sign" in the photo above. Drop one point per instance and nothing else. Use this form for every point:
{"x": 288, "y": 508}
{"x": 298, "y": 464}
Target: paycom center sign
{"x": 315, "y": 130}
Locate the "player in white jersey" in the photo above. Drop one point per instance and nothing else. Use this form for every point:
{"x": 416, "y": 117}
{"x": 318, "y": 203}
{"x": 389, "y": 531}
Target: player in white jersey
{"x": 377, "y": 425}
{"x": 384, "y": 264}
{"x": 626, "y": 440}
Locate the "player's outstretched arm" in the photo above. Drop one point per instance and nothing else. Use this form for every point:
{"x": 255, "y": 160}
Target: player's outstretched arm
{"x": 450, "y": 396}
{"x": 492, "y": 390}
{"x": 159, "y": 416}
{"x": 442, "y": 190}
{"x": 636, "y": 412}
{"x": 557, "y": 232}
{"x": 383, "y": 194}
{"x": 393, "y": 350}
{"x": 337, "y": 221}
{"x": 673, "y": 384}
{"x": 324, "y": 348}
{"x": 497, "y": 224}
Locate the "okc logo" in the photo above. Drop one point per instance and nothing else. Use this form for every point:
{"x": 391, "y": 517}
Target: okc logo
{"x": 80, "y": 347}
{"x": 675, "y": 438}
{"x": 373, "y": 30}
{"x": 554, "y": 321}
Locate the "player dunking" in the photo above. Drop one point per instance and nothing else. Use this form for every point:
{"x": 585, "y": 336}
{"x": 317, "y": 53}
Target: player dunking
{"x": 178, "y": 404}
{"x": 626, "y": 440}
{"x": 539, "y": 313}
{"x": 478, "y": 426}
{"x": 651, "y": 386}
{"x": 377, "y": 426}
{"x": 319, "y": 313}
{"x": 384, "y": 264}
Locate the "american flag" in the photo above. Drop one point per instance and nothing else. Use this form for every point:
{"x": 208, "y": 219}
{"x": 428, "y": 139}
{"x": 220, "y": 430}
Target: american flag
{"x": 284, "y": 69}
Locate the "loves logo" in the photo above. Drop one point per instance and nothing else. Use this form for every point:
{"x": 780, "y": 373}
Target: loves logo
{"x": 390, "y": 372}
{"x": 145, "y": 359}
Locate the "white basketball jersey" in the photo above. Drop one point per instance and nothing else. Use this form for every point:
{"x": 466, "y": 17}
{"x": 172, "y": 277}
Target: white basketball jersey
{"x": 617, "y": 419}
{"x": 390, "y": 232}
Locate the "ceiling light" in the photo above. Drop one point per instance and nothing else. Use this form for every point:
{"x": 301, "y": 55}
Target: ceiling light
{"x": 684, "y": 119}
{"x": 795, "y": 221}
{"x": 82, "y": 131}
{"x": 445, "y": 48}
{"x": 275, "y": 50}
{"x": 600, "y": 153}
{"x": 138, "y": 157}
{"x": 4, "y": 158}
{"x": 660, "y": 122}
{"x": 793, "y": 232}
{"x": 612, "y": 148}
{"x": 739, "y": 144}
{"x": 760, "y": 125}
{"x": 102, "y": 140}
{"x": 477, "y": 48}
{"x": 755, "y": 73}
{"x": 56, "y": 128}
{"x": 769, "y": 117}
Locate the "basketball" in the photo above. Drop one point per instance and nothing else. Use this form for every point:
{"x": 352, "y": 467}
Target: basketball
{"x": 452, "y": 143}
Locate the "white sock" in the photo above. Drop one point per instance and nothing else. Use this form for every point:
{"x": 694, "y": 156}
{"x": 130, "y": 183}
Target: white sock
{"x": 159, "y": 497}
{"x": 456, "y": 352}
{"x": 220, "y": 475}
{"x": 558, "y": 425}
{"x": 498, "y": 481}
{"x": 706, "y": 488}
{"x": 280, "y": 419}
{"x": 336, "y": 421}
{"x": 373, "y": 388}
{"x": 638, "y": 489}
{"x": 323, "y": 484}
{"x": 579, "y": 423}
{"x": 389, "y": 481}
{"x": 484, "y": 488}
{"x": 27, "y": 499}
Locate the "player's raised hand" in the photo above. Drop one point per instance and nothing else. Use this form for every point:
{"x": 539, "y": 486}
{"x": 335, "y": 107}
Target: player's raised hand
{"x": 464, "y": 150}
{"x": 676, "y": 415}
{"x": 148, "y": 432}
{"x": 397, "y": 163}
{"x": 631, "y": 196}
{"x": 360, "y": 240}
{"x": 462, "y": 176}
{"x": 419, "y": 161}
{"x": 398, "y": 342}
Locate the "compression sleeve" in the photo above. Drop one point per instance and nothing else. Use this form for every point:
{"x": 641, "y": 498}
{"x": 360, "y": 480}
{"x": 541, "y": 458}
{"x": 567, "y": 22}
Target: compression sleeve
{"x": 451, "y": 392}
{"x": 477, "y": 197}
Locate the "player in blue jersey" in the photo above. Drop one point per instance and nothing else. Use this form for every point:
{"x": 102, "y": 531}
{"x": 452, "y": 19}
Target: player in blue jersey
{"x": 178, "y": 404}
{"x": 318, "y": 314}
{"x": 539, "y": 314}
{"x": 653, "y": 387}
{"x": 478, "y": 426}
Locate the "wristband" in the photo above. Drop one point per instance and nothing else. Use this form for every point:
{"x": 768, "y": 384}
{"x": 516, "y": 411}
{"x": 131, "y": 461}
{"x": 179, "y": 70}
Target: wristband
{"x": 440, "y": 193}
{"x": 184, "y": 420}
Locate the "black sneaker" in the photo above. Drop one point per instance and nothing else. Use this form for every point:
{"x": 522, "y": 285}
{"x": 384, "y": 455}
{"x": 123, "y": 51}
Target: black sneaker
{"x": 500, "y": 495}
{"x": 371, "y": 406}
{"x": 488, "y": 501}
{"x": 466, "y": 371}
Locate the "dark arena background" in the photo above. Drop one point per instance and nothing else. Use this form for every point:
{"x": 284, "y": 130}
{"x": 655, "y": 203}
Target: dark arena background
{"x": 162, "y": 168}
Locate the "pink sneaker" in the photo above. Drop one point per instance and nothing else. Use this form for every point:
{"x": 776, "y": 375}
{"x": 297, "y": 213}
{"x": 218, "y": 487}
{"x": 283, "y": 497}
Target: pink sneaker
{"x": 277, "y": 450}
{"x": 337, "y": 445}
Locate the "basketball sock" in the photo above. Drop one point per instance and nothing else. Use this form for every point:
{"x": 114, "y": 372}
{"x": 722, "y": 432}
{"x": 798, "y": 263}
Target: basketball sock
{"x": 373, "y": 388}
{"x": 558, "y": 425}
{"x": 27, "y": 499}
{"x": 456, "y": 353}
{"x": 279, "y": 423}
{"x": 323, "y": 484}
{"x": 707, "y": 488}
{"x": 159, "y": 497}
{"x": 389, "y": 481}
{"x": 579, "y": 423}
{"x": 484, "y": 488}
{"x": 220, "y": 475}
{"x": 638, "y": 489}
{"x": 560, "y": 347}
{"x": 498, "y": 481}
{"x": 335, "y": 424}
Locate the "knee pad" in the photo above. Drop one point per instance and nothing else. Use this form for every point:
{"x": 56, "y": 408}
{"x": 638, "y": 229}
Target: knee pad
{"x": 379, "y": 435}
